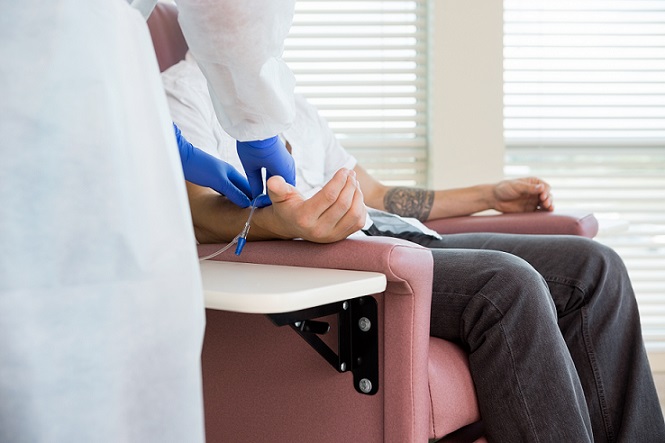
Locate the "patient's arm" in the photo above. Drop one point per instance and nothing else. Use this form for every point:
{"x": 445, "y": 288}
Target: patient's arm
{"x": 519, "y": 195}
{"x": 330, "y": 215}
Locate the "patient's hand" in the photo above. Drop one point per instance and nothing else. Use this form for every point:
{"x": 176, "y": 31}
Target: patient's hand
{"x": 522, "y": 195}
{"x": 332, "y": 214}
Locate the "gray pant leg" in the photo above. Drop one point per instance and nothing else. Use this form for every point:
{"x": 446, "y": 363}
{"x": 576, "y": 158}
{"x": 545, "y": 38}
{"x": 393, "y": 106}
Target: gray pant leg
{"x": 598, "y": 319}
{"x": 499, "y": 309}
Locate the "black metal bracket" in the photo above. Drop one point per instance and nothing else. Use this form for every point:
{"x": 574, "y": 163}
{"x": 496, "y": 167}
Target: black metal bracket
{"x": 357, "y": 342}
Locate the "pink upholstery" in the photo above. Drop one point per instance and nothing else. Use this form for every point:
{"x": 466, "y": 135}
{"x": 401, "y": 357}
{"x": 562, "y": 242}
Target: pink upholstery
{"x": 170, "y": 44}
{"x": 289, "y": 392}
{"x": 570, "y": 223}
{"x": 264, "y": 383}
{"x": 261, "y": 381}
{"x": 450, "y": 379}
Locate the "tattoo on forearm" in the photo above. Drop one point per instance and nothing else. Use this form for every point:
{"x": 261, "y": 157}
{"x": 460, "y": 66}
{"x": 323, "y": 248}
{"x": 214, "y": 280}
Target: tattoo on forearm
{"x": 409, "y": 202}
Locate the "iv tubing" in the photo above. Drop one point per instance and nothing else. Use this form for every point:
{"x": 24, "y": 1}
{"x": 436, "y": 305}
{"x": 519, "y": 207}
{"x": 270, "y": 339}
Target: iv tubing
{"x": 239, "y": 239}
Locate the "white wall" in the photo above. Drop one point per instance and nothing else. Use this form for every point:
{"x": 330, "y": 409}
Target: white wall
{"x": 466, "y": 75}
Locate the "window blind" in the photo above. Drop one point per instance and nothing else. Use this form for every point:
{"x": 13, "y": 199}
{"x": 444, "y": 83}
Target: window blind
{"x": 584, "y": 108}
{"x": 363, "y": 64}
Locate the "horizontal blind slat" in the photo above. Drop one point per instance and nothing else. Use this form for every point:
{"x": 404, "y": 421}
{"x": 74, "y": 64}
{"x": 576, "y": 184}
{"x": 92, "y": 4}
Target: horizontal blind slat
{"x": 364, "y": 65}
{"x": 585, "y": 109}
{"x": 625, "y": 184}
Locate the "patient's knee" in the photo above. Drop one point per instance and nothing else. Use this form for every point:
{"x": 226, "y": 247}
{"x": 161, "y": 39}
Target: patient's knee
{"x": 514, "y": 294}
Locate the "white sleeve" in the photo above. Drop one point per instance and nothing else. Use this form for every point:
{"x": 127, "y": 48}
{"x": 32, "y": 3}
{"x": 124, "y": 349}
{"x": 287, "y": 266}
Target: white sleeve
{"x": 238, "y": 45}
{"x": 188, "y": 107}
{"x": 191, "y": 109}
{"x": 336, "y": 156}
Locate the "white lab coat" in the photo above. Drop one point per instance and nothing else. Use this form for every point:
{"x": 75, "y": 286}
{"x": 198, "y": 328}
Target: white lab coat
{"x": 101, "y": 308}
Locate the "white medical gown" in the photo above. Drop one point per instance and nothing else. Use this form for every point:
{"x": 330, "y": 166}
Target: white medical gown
{"x": 238, "y": 44}
{"x": 101, "y": 307}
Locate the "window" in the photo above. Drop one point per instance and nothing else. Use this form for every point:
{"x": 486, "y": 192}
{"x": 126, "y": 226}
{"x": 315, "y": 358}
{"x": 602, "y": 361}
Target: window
{"x": 584, "y": 108}
{"x": 363, "y": 65}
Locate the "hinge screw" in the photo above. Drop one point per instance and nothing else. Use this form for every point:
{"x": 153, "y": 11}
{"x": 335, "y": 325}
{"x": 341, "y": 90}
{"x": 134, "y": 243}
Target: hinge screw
{"x": 365, "y": 385}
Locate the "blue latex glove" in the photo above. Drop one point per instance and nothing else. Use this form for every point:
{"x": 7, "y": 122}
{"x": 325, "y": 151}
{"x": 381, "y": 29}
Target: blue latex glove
{"x": 203, "y": 169}
{"x": 270, "y": 154}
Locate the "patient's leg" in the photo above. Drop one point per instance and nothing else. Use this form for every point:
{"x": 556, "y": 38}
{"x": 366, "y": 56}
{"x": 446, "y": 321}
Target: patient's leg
{"x": 499, "y": 309}
{"x": 596, "y": 314}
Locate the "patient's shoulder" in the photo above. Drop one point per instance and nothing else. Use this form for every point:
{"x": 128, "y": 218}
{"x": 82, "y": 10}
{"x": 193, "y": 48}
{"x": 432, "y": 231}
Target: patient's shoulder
{"x": 184, "y": 74}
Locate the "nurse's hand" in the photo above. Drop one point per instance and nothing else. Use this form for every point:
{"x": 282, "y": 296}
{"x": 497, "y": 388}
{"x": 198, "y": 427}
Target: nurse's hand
{"x": 270, "y": 154}
{"x": 203, "y": 169}
{"x": 332, "y": 214}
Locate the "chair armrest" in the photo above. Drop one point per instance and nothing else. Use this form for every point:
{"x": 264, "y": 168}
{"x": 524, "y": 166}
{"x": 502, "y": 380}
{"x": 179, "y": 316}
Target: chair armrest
{"x": 583, "y": 224}
{"x": 393, "y": 257}
{"x": 404, "y": 316}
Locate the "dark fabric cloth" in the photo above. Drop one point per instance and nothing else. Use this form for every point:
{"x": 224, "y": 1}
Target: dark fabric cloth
{"x": 553, "y": 334}
{"x": 387, "y": 224}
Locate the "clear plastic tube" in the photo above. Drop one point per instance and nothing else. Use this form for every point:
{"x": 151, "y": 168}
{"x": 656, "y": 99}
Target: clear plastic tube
{"x": 239, "y": 239}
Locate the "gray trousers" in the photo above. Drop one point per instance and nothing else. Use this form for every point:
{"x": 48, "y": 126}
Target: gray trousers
{"x": 553, "y": 334}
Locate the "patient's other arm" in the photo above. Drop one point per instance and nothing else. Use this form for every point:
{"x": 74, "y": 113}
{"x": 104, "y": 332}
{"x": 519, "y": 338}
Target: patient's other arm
{"x": 518, "y": 195}
{"x": 330, "y": 215}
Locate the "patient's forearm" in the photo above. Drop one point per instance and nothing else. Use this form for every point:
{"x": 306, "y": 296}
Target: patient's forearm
{"x": 409, "y": 202}
{"x": 427, "y": 204}
{"x": 461, "y": 201}
{"x": 332, "y": 214}
{"x": 217, "y": 220}
{"x": 423, "y": 204}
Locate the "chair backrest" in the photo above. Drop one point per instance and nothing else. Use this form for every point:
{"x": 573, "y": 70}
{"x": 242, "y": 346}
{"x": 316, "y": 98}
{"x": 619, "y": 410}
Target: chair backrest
{"x": 170, "y": 45}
